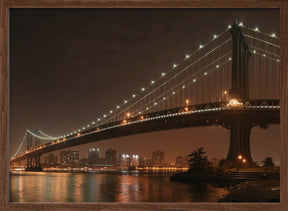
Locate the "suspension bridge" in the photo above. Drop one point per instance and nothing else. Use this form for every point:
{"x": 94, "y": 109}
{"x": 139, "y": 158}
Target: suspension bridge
{"x": 231, "y": 81}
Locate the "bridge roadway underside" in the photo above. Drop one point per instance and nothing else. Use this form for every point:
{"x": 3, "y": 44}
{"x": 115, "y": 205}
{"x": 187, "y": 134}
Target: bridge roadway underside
{"x": 239, "y": 121}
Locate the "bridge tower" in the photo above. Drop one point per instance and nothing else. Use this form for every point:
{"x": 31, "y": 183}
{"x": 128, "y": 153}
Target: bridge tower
{"x": 239, "y": 126}
{"x": 33, "y": 162}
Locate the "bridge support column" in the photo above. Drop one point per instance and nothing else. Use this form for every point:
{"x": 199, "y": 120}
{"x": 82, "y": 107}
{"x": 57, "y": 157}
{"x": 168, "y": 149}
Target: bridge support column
{"x": 33, "y": 166}
{"x": 240, "y": 142}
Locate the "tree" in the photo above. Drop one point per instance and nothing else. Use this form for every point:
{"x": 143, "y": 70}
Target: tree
{"x": 226, "y": 164}
{"x": 268, "y": 162}
{"x": 198, "y": 160}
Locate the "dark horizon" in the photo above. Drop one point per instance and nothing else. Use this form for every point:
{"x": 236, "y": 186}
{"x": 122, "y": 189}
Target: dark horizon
{"x": 117, "y": 51}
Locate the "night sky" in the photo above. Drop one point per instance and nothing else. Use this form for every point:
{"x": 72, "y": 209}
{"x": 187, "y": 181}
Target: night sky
{"x": 67, "y": 67}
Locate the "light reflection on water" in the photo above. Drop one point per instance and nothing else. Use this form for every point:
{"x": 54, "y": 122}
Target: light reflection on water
{"x": 79, "y": 187}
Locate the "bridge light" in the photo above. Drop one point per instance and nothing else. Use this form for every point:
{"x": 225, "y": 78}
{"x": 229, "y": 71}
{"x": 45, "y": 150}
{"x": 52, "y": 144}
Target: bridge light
{"x": 98, "y": 119}
{"x": 183, "y": 87}
{"x": 142, "y": 89}
{"x": 186, "y": 109}
{"x": 147, "y": 108}
{"x": 164, "y": 98}
{"x": 187, "y": 56}
{"x": 240, "y": 157}
{"x": 128, "y": 114}
{"x": 264, "y": 55}
{"x": 111, "y": 111}
{"x": 93, "y": 123}
{"x": 104, "y": 116}
{"x": 194, "y": 80}
{"x": 201, "y": 46}
{"x": 215, "y": 36}
{"x": 139, "y": 112}
{"x": 278, "y": 60}
{"x": 234, "y": 103}
{"x": 230, "y": 59}
{"x": 174, "y": 65}
{"x": 254, "y": 51}
{"x": 124, "y": 121}
{"x": 163, "y": 74}
{"x": 125, "y": 101}
{"x": 217, "y": 66}
{"x": 244, "y": 160}
{"x": 155, "y": 103}
{"x": 225, "y": 92}
{"x": 187, "y": 101}
{"x": 229, "y": 26}
{"x": 83, "y": 128}
{"x": 273, "y": 35}
{"x": 78, "y": 134}
{"x": 256, "y": 29}
{"x": 133, "y": 95}
{"x": 241, "y": 24}
{"x": 117, "y": 106}
{"x": 142, "y": 117}
{"x": 205, "y": 73}
{"x": 173, "y": 93}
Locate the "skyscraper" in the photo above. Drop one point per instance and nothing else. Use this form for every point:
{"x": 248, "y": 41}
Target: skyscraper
{"x": 157, "y": 158}
{"x": 69, "y": 159}
{"x": 93, "y": 156}
{"x": 111, "y": 157}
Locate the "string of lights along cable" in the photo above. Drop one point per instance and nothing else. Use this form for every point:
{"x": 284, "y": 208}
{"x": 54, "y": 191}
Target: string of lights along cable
{"x": 202, "y": 77}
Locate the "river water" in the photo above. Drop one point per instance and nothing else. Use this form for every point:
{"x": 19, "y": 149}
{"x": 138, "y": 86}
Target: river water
{"x": 84, "y": 187}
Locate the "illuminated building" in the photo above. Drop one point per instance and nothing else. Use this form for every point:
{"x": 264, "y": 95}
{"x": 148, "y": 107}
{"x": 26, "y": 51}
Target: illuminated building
{"x": 69, "y": 159}
{"x": 93, "y": 156}
{"x": 157, "y": 158}
{"x": 111, "y": 157}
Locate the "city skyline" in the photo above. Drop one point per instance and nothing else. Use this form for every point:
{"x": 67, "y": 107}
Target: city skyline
{"x": 71, "y": 108}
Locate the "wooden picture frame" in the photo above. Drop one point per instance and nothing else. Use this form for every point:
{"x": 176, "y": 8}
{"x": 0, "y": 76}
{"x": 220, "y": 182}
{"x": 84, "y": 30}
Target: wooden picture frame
{"x": 5, "y": 5}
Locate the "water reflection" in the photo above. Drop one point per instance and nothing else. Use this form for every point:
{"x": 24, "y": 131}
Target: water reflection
{"x": 72, "y": 187}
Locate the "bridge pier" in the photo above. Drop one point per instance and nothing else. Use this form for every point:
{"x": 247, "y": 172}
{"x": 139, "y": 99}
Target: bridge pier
{"x": 240, "y": 142}
{"x": 33, "y": 164}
